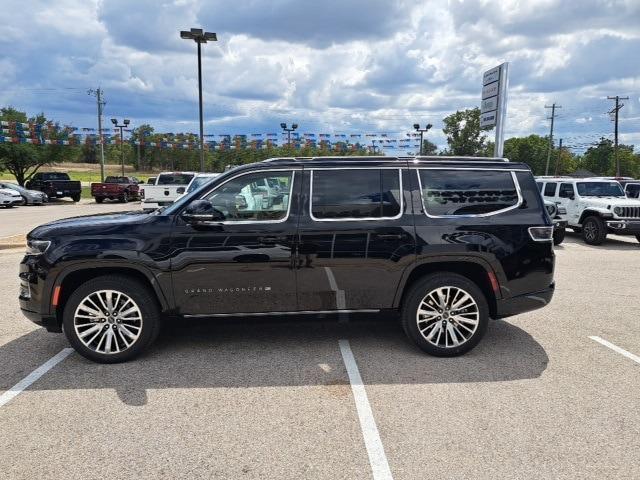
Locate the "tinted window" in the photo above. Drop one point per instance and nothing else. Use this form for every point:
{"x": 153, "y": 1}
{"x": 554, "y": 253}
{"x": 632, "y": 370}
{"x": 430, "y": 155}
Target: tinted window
{"x": 566, "y": 190}
{"x": 116, "y": 180}
{"x": 550, "y": 189}
{"x": 175, "y": 179}
{"x": 363, "y": 193}
{"x": 600, "y": 189}
{"x": 55, "y": 176}
{"x": 633, "y": 190}
{"x": 466, "y": 192}
{"x": 246, "y": 198}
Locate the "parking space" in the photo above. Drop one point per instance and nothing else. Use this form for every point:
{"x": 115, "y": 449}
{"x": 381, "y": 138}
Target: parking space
{"x": 271, "y": 397}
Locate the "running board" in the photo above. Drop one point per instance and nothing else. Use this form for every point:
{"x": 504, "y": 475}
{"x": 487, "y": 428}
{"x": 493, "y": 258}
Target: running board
{"x": 301, "y": 312}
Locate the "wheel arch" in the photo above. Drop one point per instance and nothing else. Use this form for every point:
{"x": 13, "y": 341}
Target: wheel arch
{"x": 590, "y": 212}
{"x": 473, "y": 269}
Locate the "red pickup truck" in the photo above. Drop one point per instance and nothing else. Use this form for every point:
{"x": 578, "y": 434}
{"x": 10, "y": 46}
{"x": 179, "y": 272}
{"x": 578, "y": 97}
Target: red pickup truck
{"x": 121, "y": 188}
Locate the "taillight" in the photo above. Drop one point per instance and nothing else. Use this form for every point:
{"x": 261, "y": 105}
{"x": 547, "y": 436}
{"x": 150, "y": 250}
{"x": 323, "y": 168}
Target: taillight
{"x": 541, "y": 234}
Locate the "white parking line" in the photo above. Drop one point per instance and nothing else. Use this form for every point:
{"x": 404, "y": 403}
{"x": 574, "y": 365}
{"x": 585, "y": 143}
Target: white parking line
{"x": 19, "y": 387}
{"x": 616, "y": 348}
{"x": 375, "y": 450}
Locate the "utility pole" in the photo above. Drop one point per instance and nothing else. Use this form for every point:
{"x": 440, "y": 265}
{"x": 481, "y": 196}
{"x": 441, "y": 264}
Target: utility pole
{"x": 101, "y": 102}
{"x": 422, "y": 130}
{"x": 373, "y": 146}
{"x": 615, "y": 111}
{"x": 558, "y": 158}
{"x": 550, "y": 147}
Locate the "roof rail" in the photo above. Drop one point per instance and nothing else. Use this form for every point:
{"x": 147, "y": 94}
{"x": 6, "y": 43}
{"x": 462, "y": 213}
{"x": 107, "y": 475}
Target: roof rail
{"x": 445, "y": 158}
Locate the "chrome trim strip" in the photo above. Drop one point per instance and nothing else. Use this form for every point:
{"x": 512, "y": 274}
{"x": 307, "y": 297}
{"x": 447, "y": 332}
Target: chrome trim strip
{"x": 351, "y": 219}
{"x": 301, "y": 312}
{"x": 473, "y": 215}
{"x": 293, "y": 171}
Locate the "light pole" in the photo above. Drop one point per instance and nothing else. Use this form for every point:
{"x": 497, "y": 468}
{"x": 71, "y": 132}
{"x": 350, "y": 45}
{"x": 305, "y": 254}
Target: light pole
{"x": 289, "y": 130}
{"x": 200, "y": 37}
{"x": 426, "y": 128}
{"x": 125, "y": 123}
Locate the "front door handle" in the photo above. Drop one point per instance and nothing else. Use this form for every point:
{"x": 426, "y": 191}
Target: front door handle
{"x": 271, "y": 240}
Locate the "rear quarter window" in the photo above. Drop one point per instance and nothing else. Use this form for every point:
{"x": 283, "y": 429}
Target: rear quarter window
{"x": 467, "y": 192}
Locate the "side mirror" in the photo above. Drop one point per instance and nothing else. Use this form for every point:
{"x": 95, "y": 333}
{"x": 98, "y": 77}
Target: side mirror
{"x": 201, "y": 211}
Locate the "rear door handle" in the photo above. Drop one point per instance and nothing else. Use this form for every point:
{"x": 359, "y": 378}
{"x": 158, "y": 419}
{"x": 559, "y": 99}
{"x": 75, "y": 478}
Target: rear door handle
{"x": 390, "y": 236}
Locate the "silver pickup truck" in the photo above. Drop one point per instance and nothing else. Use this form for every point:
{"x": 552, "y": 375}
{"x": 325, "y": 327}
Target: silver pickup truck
{"x": 167, "y": 188}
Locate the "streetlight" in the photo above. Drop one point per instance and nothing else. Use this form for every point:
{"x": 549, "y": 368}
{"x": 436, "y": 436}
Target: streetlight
{"x": 125, "y": 123}
{"x": 426, "y": 128}
{"x": 289, "y": 130}
{"x": 200, "y": 37}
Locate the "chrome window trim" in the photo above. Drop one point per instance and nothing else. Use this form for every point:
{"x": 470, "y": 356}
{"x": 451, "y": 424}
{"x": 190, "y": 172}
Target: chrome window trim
{"x": 474, "y": 215}
{"x": 257, "y": 222}
{"x": 354, "y": 219}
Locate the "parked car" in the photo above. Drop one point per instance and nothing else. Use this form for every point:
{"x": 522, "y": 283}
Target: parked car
{"x": 559, "y": 225}
{"x": 197, "y": 181}
{"x": 116, "y": 188}
{"x": 168, "y": 187}
{"x": 448, "y": 242}
{"x": 55, "y": 185}
{"x": 594, "y": 207}
{"x": 29, "y": 197}
{"x": 151, "y": 181}
{"x": 10, "y": 198}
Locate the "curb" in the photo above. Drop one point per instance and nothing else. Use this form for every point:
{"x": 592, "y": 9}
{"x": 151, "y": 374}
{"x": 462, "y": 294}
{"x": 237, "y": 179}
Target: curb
{"x": 14, "y": 241}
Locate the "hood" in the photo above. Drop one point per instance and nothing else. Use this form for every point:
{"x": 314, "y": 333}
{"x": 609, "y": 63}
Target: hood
{"x": 8, "y": 192}
{"x": 605, "y": 202}
{"x": 88, "y": 224}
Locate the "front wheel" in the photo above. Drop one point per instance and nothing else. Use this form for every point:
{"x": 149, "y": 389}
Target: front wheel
{"x": 111, "y": 319}
{"x": 124, "y": 198}
{"x": 445, "y": 314}
{"x": 594, "y": 231}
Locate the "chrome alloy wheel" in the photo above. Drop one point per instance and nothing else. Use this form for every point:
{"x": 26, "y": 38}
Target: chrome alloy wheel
{"x": 447, "y": 317}
{"x": 107, "y": 321}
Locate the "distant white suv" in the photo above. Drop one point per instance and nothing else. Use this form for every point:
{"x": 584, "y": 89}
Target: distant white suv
{"x": 594, "y": 207}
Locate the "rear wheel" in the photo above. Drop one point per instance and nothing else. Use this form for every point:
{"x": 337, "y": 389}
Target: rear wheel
{"x": 594, "y": 231}
{"x": 111, "y": 319}
{"x": 445, "y": 314}
{"x": 76, "y": 197}
{"x": 99, "y": 199}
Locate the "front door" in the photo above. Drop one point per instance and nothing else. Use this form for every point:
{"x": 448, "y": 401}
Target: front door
{"x": 566, "y": 199}
{"x": 245, "y": 262}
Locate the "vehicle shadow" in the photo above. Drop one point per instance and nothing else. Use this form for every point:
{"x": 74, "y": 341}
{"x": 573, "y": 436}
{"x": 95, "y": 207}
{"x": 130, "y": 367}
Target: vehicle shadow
{"x": 613, "y": 242}
{"x": 271, "y": 352}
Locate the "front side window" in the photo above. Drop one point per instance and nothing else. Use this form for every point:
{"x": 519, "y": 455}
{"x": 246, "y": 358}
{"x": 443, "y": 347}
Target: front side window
{"x": 633, "y": 190}
{"x": 467, "y": 192}
{"x": 566, "y": 190}
{"x": 355, "y": 194}
{"x": 550, "y": 189}
{"x": 247, "y": 198}
{"x": 599, "y": 189}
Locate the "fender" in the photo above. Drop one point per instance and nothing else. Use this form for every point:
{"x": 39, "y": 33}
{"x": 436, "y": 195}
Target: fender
{"x": 110, "y": 264}
{"x": 453, "y": 258}
{"x": 601, "y": 212}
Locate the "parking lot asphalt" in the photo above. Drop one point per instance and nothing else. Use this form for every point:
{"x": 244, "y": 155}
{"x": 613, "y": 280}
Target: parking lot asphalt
{"x": 271, "y": 397}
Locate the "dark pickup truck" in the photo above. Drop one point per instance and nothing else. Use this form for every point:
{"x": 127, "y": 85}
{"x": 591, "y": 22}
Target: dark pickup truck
{"x": 55, "y": 185}
{"x": 121, "y": 188}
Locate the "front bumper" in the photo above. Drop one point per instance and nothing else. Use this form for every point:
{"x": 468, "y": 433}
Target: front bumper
{"x": 508, "y": 307}
{"x": 34, "y": 295}
{"x": 624, "y": 227}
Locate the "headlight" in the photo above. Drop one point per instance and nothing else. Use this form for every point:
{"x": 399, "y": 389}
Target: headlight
{"x": 617, "y": 211}
{"x": 37, "y": 247}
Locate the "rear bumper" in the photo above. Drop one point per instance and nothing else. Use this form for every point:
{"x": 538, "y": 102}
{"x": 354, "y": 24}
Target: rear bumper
{"x": 524, "y": 303}
{"x": 624, "y": 227}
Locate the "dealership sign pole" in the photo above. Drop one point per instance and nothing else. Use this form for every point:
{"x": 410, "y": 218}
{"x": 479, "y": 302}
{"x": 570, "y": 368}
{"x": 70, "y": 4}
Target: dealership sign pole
{"x": 493, "y": 108}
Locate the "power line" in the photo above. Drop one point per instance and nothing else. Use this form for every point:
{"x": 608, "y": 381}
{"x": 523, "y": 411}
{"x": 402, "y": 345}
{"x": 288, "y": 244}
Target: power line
{"x": 552, "y": 118}
{"x": 615, "y": 111}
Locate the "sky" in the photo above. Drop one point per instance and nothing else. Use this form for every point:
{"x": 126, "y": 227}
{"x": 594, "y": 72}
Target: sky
{"x": 348, "y": 66}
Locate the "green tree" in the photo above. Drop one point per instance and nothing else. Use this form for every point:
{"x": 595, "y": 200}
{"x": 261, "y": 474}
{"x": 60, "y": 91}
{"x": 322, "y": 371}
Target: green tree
{"x": 429, "y": 148}
{"x": 463, "y": 133}
{"x": 531, "y": 150}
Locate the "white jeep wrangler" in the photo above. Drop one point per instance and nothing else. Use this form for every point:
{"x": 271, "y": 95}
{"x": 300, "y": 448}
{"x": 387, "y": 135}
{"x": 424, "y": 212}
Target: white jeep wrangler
{"x": 594, "y": 207}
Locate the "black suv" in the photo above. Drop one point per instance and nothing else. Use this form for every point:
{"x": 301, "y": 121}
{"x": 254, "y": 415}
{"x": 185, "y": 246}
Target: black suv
{"x": 449, "y": 242}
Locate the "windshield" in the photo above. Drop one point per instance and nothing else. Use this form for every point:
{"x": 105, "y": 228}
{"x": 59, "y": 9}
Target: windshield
{"x": 175, "y": 179}
{"x": 198, "y": 182}
{"x": 116, "y": 180}
{"x": 600, "y": 189}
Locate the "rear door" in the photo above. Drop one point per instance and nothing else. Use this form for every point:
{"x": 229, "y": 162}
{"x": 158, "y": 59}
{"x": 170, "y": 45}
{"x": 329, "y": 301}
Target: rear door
{"x": 355, "y": 235}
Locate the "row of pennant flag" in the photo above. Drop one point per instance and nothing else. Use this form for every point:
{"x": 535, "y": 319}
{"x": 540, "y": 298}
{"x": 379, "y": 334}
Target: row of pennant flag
{"x": 53, "y": 134}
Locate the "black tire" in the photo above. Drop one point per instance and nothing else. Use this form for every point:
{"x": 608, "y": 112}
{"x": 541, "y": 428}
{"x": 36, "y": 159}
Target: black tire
{"x": 414, "y": 299}
{"x": 558, "y": 235}
{"x": 594, "y": 231}
{"x": 76, "y": 197}
{"x": 143, "y": 298}
{"x": 99, "y": 199}
{"x": 124, "y": 198}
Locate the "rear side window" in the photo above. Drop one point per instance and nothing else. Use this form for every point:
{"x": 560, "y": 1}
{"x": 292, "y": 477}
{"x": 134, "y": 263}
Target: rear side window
{"x": 355, "y": 194}
{"x": 467, "y": 192}
{"x": 550, "y": 189}
{"x": 174, "y": 179}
